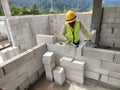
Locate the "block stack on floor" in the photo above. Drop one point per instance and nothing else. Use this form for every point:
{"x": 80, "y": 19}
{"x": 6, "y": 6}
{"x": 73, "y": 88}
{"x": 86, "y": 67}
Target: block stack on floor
{"x": 70, "y": 69}
{"x": 59, "y": 75}
{"x": 74, "y": 70}
{"x": 49, "y": 64}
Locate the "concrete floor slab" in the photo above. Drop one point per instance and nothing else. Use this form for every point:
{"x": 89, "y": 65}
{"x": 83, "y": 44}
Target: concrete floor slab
{"x": 43, "y": 84}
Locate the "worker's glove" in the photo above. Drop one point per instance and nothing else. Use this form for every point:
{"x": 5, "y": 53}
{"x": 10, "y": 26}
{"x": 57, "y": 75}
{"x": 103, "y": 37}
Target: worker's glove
{"x": 91, "y": 34}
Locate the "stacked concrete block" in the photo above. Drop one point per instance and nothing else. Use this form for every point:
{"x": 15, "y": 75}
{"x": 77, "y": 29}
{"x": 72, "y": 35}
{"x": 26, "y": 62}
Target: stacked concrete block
{"x": 58, "y": 50}
{"x": 109, "y": 36}
{"x": 59, "y": 75}
{"x": 92, "y": 75}
{"x": 117, "y": 57}
{"x": 9, "y": 53}
{"x": 49, "y": 64}
{"x": 49, "y": 39}
{"x": 99, "y": 54}
{"x": 69, "y": 51}
{"x": 1, "y": 73}
{"x": 22, "y": 70}
{"x": 74, "y": 69}
{"x": 5, "y": 54}
{"x": 114, "y": 81}
{"x": 104, "y": 78}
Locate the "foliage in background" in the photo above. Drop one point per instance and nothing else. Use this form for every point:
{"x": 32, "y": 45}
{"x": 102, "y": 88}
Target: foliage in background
{"x": 36, "y": 7}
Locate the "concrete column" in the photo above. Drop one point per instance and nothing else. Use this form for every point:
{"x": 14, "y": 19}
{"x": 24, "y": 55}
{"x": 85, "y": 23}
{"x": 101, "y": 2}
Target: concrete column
{"x": 96, "y": 17}
{"x": 6, "y": 8}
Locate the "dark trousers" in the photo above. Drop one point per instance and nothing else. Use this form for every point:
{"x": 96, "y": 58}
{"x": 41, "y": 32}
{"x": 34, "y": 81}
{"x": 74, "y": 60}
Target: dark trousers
{"x": 77, "y": 43}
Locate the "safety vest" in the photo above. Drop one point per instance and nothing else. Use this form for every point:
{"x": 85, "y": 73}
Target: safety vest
{"x": 73, "y": 33}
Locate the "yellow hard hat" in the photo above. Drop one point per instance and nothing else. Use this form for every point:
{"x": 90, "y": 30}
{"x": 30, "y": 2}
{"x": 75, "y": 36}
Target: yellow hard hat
{"x": 70, "y": 16}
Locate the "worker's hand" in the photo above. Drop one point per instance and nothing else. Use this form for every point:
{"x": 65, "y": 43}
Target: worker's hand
{"x": 65, "y": 39}
{"x": 91, "y": 34}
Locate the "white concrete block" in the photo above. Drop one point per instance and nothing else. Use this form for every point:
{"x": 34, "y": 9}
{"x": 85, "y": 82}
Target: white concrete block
{"x": 49, "y": 71}
{"x": 97, "y": 70}
{"x": 109, "y": 43}
{"x": 89, "y": 61}
{"x": 78, "y": 65}
{"x": 75, "y": 78}
{"x": 79, "y": 51}
{"x": 39, "y": 50}
{"x": 99, "y": 54}
{"x": 45, "y": 39}
{"x": 16, "y": 50}
{"x": 48, "y": 58}
{"x": 5, "y": 54}
{"x": 24, "y": 85}
{"x": 16, "y": 62}
{"x": 111, "y": 66}
{"x": 1, "y": 73}
{"x": 74, "y": 71}
{"x": 114, "y": 74}
{"x": 114, "y": 81}
{"x": 104, "y": 78}
{"x": 117, "y": 57}
{"x": 33, "y": 78}
{"x": 58, "y": 50}
{"x": 66, "y": 61}
{"x": 41, "y": 71}
{"x": 31, "y": 53}
{"x": 51, "y": 66}
{"x": 59, "y": 75}
{"x": 69, "y": 51}
{"x": 92, "y": 75}
{"x": 11, "y": 51}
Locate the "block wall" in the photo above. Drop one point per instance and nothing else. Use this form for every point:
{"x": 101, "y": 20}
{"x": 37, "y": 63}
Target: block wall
{"x": 110, "y": 28}
{"x": 23, "y": 29}
{"x": 101, "y": 65}
{"x": 23, "y": 70}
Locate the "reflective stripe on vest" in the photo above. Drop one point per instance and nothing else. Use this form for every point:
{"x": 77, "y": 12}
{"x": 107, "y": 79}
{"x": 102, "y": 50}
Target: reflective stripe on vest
{"x": 73, "y": 36}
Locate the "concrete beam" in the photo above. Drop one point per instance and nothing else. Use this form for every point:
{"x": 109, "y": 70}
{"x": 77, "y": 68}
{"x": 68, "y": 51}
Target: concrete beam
{"x": 96, "y": 17}
{"x": 6, "y": 8}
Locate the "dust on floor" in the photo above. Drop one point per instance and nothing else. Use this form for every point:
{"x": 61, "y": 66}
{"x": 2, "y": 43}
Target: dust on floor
{"x": 43, "y": 84}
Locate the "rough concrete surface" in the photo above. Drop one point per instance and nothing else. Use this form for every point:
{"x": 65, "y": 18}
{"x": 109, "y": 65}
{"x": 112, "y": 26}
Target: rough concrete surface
{"x": 43, "y": 84}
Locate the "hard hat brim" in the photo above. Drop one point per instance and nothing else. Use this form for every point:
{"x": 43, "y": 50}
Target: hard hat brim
{"x": 72, "y": 20}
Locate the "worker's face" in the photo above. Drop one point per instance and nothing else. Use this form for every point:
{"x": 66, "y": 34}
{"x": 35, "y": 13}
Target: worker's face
{"x": 72, "y": 23}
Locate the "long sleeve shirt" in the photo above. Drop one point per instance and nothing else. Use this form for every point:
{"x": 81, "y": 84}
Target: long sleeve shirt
{"x": 82, "y": 29}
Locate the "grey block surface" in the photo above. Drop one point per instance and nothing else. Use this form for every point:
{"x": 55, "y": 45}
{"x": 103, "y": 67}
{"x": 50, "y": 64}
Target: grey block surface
{"x": 99, "y": 54}
{"x": 111, "y": 66}
{"x": 59, "y": 75}
{"x": 104, "y": 78}
{"x": 114, "y": 81}
{"x": 1, "y": 73}
{"x": 48, "y": 58}
{"x": 49, "y": 39}
{"x": 92, "y": 75}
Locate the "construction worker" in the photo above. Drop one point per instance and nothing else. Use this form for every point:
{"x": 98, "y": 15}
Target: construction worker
{"x": 70, "y": 30}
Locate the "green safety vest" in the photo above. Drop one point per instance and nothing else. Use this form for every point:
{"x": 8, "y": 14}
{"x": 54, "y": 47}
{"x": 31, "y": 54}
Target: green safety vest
{"x": 73, "y": 35}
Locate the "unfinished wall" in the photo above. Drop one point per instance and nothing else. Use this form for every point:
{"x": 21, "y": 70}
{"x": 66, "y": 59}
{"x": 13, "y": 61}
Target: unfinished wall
{"x": 101, "y": 65}
{"x": 23, "y": 29}
{"x": 23, "y": 70}
{"x": 110, "y": 28}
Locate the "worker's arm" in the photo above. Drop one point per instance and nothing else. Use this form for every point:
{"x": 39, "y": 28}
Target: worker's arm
{"x": 84, "y": 31}
{"x": 63, "y": 32}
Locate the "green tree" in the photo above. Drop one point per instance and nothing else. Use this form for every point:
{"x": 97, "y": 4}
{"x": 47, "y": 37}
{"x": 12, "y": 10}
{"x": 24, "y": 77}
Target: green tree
{"x": 34, "y": 10}
{"x": 1, "y": 11}
{"x": 25, "y": 11}
{"x": 15, "y": 10}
